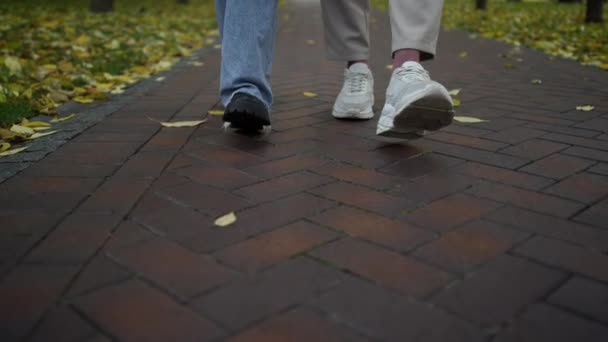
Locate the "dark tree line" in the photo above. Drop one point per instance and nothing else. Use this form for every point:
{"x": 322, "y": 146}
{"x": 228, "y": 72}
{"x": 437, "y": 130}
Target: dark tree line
{"x": 593, "y": 14}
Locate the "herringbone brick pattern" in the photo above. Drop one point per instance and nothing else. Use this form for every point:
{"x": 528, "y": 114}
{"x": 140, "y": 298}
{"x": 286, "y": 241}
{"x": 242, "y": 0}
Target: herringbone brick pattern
{"x": 488, "y": 232}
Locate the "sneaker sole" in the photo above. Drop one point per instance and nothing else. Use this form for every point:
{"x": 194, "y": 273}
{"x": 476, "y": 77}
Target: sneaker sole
{"x": 425, "y": 114}
{"x": 392, "y": 133}
{"x": 245, "y": 121}
{"x": 429, "y": 114}
{"x": 354, "y": 115}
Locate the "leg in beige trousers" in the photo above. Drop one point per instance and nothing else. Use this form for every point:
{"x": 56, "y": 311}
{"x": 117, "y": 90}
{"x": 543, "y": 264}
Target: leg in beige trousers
{"x": 414, "y": 103}
{"x": 414, "y": 25}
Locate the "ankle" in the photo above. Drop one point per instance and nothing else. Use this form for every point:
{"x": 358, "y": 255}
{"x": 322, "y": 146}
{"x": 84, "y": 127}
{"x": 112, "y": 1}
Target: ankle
{"x": 350, "y": 63}
{"x": 405, "y": 55}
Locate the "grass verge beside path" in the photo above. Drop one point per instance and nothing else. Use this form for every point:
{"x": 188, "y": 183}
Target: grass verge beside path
{"x": 53, "y": 52}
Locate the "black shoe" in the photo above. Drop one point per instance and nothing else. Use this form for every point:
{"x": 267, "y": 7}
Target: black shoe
{"x": 247, "y": 113}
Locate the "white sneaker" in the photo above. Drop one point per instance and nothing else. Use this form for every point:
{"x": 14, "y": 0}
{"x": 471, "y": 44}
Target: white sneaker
{"x": 356, "y": 98}
{"x": 414, "y": 104}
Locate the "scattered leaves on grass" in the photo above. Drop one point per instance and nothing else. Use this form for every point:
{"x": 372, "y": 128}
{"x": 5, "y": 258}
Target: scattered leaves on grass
{"x": 84, "y": 99}
{"x": 225, "y": 220}
{"x": 58, "y": 119}
{"x": 13, "y": 151}
{"x": 309, "y": 94}
{"x": 586, "y": 108}
{"x": 468, "y": 119}
{"x": 555, "y": 28}
{"x": 216, "y": 112}
{"x": 58, "y": 51}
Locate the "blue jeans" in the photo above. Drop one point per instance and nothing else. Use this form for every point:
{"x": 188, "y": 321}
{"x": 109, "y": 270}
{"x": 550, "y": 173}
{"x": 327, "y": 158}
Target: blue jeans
{"x": 248, "y": 31}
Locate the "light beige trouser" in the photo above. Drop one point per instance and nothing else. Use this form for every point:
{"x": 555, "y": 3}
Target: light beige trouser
{"x": 414, "y": 25}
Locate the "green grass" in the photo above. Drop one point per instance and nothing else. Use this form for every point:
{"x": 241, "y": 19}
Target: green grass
{"x": 13, "y": 112}
{"x": 55, "y": 51}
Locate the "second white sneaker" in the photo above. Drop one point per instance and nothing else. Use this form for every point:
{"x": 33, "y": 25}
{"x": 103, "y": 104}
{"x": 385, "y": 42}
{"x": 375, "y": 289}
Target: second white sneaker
{"x": 414, "y": 104}
{"x": 356, "y": 98}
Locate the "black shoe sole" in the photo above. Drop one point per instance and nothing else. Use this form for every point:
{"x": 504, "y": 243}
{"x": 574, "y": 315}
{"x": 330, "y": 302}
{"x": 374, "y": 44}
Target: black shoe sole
{"x": 245, "y": 121}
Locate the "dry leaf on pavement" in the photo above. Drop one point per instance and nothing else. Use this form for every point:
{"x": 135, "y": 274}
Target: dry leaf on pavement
{"x": 586, "y": 108}
{"x": 216, "y": 112}
{"x": 468, "y": 119}
{"x": 179, "y": 124}
{"x": 62, "y": 119}
{"x": 225, "y": 220}
{"x": 13, "y": 151}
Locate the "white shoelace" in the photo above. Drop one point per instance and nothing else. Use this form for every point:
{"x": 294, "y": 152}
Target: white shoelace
{"x": 356, "y": 82}
{"x": 411, "y": 73}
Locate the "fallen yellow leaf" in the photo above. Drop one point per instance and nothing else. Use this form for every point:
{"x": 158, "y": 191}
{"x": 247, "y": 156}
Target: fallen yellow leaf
{"x": 456, "y": 102}
{"x": 10, "y": 136}
{"x": 13, "y": 151}
{"x": 309, "y": 94}
{"x": 536, "y": 81}
{"x": 468, "y": 119}
{"x": 65, "y": 118}
{"x": 4, "y": 146}
{"x": 34, "y": 124}
{"x": 454, "y": 92}
{"x": 160, "y": 79}
{"x": 463, "y": 54}
{"x": 586, "y": 108}
{"x": 196, "y": 63}
{"x": 38, "y": 129}
{"x": 13, "y": 65}
{"x": 22, "y": 130}
{"x": 225, "y": 220}
{"x": 83, "y": 99}
{"x": 178, "y": 124}
{"x": 216, "y": 112}
{"x": 40, "y": 135}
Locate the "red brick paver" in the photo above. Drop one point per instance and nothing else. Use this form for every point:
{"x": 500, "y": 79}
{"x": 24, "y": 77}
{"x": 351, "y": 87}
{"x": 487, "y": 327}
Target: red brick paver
{"x": 488, "y": 232}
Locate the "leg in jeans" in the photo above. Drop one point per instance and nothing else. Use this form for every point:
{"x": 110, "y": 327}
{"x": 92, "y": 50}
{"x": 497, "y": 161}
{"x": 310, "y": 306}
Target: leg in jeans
{"x": 248, "y": 31}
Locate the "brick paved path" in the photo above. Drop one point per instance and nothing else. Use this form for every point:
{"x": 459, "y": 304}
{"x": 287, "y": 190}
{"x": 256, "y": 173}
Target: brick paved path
{"x": 489, "y": 232}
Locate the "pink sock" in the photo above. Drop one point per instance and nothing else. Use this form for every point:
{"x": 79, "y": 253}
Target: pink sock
{"x": 405, "y": 55}
{"x": 350, "y": 63}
